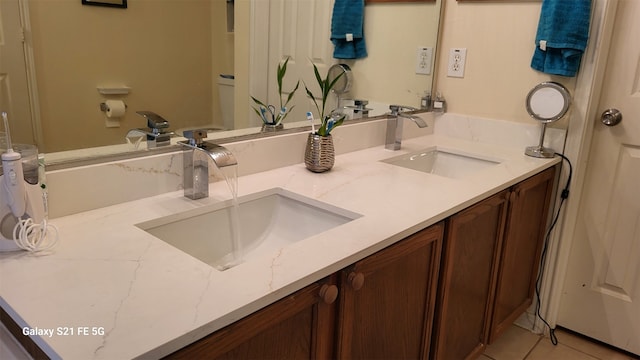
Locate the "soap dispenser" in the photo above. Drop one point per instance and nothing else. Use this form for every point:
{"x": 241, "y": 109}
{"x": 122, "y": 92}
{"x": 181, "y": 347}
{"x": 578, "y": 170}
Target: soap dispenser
{"x": 425, "y": 101}
{"x": 439, "y": 103}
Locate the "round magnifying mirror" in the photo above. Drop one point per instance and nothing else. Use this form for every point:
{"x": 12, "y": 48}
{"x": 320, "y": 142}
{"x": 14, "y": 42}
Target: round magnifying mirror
{"x": 343, "y": 85}
{"x": 548, "y": 102}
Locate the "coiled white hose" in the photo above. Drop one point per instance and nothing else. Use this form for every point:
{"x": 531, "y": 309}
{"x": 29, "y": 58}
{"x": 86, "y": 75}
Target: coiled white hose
{"x": 31, "y": 236}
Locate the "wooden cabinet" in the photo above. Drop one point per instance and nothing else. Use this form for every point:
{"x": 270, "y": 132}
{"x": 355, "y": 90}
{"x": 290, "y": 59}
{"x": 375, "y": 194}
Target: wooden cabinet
{"x": 386, "y": 307}
{"x": 403, "y": 302}
{"x": 299, "y": 326}
{"x": 469, "y": 270}
{"x": 490, "y": 263}
{"x": 387, "y": 300}
{"x": 520, "y": 258}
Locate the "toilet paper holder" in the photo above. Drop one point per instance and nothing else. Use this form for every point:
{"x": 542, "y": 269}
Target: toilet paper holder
{"x": 104, "y": 107}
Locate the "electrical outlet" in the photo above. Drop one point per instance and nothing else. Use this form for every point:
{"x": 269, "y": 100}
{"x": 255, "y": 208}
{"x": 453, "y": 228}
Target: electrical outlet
{"x": 423, "y": 60}
{"x": 457, "y": 58}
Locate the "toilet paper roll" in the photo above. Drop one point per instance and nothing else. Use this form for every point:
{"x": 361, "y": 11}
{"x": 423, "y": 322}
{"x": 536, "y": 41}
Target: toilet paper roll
{"x": 115, "y": 108}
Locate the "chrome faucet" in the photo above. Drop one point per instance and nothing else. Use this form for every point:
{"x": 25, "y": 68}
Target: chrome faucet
{"x": 156, "y": 133}
{"x": 394, "y": 125}
{"x": 196, "y": 165}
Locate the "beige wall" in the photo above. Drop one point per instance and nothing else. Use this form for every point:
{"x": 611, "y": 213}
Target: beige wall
{"x": 78, "y": 48}
{"x": 499, "y": 37}
{"x": 393, "y": 32}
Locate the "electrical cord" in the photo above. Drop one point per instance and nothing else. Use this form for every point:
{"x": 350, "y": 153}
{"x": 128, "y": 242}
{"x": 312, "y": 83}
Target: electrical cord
{"x": 32, "y": 236}
{"x": 563, "y": 196}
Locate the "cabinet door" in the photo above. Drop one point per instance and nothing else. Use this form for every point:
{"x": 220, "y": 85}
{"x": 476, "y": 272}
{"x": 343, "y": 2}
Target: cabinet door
{"x": 299, "y": 326}
{"x": 520, "y": 258}
{"x": 472, "y": 243}
{"x": 387, "y": 300}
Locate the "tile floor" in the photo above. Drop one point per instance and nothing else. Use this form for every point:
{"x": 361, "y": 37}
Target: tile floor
{"x": 520, "y": 344}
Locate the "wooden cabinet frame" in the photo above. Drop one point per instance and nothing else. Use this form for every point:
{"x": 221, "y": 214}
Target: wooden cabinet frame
{"x": 491, "y": 258}
{"x": 274, "y": 330}
{"x": 524, "y": 236}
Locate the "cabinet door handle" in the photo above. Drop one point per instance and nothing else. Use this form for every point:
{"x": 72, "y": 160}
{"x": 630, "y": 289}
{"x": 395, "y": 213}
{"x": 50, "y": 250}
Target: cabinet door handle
{"x": 328, "y": 293}
{"x": 356, "y": 280}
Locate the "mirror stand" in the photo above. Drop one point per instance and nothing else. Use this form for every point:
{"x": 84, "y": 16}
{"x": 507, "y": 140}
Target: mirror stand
{"x": 546, "y": 102}
{"x": 539, "y": 150}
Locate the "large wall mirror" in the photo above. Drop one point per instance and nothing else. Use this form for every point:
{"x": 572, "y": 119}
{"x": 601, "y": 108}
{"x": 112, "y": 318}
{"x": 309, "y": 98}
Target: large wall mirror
{"x": 170, "y": 55}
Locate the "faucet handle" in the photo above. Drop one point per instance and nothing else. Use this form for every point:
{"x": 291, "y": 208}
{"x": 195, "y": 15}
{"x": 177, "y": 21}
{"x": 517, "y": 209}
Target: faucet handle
{"x": 396, "y": 109}
{"x": 195, "y": 136}
{"x": 154, "y": 121}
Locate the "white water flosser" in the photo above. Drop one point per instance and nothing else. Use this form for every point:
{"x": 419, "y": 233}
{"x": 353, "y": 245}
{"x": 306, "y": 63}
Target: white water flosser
{"x": 13, "y": 175}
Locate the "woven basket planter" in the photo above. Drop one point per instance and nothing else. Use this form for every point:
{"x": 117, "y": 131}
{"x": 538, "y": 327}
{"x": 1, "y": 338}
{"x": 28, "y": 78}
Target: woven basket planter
{"x": 319, "y": 154}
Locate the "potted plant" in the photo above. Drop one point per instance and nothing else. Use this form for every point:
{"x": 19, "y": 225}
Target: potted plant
{"x": 271, "y": 116}
{"x": 332, "y": 120}
{"x": 320, "y": 153}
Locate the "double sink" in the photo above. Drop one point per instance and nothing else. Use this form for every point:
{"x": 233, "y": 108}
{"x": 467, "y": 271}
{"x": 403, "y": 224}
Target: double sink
{"x": 275, "y": 218}
{"x": 449, "y": 163}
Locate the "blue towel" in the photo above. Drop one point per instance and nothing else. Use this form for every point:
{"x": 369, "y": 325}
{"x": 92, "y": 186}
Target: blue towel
{"x": 563, "y": 31}
{"x": 347, "y": 32}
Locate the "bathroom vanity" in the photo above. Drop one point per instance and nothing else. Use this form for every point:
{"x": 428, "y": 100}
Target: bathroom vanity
{"x": 406, "y": 267}
{"x": 389, "y": 304}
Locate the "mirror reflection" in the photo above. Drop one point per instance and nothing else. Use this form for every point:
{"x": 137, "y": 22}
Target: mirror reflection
{"x": 197, "y": 62}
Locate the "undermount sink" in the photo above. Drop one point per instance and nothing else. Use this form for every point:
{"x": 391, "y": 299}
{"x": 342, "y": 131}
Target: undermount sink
{"x": 268, "y": 221}
{"x": 443, "y": 162}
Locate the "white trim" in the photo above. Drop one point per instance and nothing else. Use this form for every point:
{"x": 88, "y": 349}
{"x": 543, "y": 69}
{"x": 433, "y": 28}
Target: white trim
{"x": 30, "y": 66}
{"x": 580, "y": 130}
{"x": 259, "y": 44}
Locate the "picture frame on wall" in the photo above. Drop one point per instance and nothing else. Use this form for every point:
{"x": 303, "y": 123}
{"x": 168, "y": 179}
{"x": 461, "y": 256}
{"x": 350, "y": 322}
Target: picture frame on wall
{"x": 108, "y": 3}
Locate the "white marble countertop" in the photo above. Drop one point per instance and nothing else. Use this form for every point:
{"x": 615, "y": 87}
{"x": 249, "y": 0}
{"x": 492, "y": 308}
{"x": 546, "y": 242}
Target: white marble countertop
{"x": 139, "y": 297}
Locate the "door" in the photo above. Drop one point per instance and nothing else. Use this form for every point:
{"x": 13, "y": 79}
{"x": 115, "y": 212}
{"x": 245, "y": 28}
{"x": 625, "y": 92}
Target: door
{"x": 473, "y": 242}
{"x": 387, "y": 300}
{"x": 601, "y": 295}
{"x": 300, "y": 31}
{"x": 521, "y": 250}
{"x": 14, "y": 90}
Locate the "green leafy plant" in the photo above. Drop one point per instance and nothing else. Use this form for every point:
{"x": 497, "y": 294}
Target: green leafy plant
{"x": 330, "y": 121}
{"x": 269, "y": 114}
